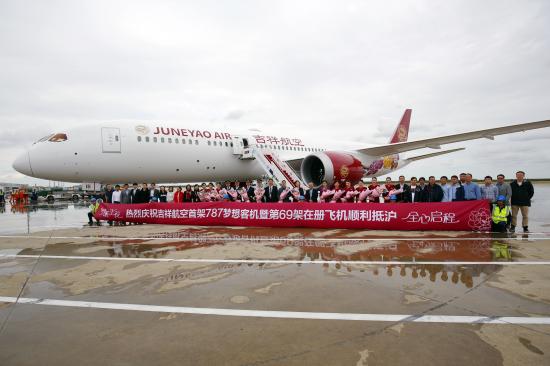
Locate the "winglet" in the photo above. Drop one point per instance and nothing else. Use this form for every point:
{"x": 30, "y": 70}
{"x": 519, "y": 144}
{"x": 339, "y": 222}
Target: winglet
{"x": 401, "y": 132}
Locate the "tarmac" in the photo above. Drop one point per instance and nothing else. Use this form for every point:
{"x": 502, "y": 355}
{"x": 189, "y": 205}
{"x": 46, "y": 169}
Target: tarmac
{"x": 175, "y": 295}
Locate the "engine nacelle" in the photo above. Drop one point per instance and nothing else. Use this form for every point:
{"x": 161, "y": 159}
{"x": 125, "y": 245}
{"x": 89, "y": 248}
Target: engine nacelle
{"x": 331, "y": 166}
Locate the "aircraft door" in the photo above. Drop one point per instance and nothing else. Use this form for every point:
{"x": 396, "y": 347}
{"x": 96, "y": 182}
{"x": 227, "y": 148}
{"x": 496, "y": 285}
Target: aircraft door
{"x": 110, "y": 139}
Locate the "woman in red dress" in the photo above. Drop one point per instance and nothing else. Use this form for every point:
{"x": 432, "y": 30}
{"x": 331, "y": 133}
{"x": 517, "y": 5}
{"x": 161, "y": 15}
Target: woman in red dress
{"x": 178, "y": 195}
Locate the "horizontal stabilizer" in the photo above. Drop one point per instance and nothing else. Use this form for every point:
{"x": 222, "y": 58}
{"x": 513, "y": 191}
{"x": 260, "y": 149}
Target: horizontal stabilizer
{"x": 431, "y": 155}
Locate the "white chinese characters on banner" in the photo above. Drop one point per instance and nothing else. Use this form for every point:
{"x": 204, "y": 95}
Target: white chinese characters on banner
{"x": 434, "y": 216}
{"x": 258, "y": 214}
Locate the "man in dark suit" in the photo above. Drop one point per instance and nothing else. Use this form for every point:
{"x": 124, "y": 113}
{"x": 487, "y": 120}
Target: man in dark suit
{"x": 250, "y": 191}
{"x": 134, "y": 193}
{"x": 434, "y": 192}
{"x": 154, "y": 193}
{"x": 271, "y": 194}
{"x": 401, "y": 197}
{"x": 312, "y": 194}
{"x": 415, "y": 192}
{"x": 142, "y": 195}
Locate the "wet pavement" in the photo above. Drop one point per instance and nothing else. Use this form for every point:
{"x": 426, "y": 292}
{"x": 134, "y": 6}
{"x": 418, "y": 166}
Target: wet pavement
{"x": 171, "y": 295}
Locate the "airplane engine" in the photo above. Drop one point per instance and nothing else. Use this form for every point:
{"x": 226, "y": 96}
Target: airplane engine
{"x": 331, "y": 166}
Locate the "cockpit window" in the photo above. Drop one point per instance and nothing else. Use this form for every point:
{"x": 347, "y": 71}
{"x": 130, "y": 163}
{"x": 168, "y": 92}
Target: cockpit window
{"x": 54, "y": 137}
{"x": 58, "y": 137}
{"x": 45, "y": 138}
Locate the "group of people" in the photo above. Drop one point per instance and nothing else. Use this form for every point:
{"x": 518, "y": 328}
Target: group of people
{"x": 507, "y": 199}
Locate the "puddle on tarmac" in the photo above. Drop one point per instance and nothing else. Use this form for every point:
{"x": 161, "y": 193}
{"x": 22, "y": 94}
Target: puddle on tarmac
{"x": 487, "y": 251}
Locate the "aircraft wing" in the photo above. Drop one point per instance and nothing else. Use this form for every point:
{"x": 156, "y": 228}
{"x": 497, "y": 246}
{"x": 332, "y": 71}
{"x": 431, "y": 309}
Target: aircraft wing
{"x": 436, "y": 142}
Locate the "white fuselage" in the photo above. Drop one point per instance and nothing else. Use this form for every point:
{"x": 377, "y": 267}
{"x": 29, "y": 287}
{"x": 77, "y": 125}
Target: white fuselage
{"x": 112, "y": 153}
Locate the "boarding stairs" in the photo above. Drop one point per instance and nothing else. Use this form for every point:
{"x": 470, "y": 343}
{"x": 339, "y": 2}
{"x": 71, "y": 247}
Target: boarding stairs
{"x": 273, "y": 165}
{"x": 276, "y": 167}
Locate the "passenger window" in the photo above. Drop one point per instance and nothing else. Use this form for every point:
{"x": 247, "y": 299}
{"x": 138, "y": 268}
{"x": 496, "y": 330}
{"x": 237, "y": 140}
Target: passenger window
{"x": 169, "y": 140}
{"x": 226, "y": 144}
{"x": 162, "y": 139}
{"x": 154, "y": 139}
{"x": 177, "y": 141}
{"x": 116, "y": 138}
{"x": 139, "y": 138}
{"x": 215, "y": 143}
{"x": 146, "y": 138}
{"x": 183, "y": 141}
{"x": 231, "y": 144}
{"x": 208, "y": 142}
{"x": 196, "y": 142}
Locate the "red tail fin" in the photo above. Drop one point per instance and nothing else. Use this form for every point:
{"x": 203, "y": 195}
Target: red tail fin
{"x": 401, "y": 132}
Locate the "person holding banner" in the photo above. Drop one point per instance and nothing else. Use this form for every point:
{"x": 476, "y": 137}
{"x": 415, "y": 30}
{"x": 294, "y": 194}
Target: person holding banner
{"x": 500, "y": 215}
{"x": 94, "y": 205}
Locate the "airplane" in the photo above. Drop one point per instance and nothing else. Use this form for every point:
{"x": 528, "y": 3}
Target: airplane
{"x": 125, "y": 152}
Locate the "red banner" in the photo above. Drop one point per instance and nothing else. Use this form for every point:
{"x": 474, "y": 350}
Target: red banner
{"x": 467, "y": 215}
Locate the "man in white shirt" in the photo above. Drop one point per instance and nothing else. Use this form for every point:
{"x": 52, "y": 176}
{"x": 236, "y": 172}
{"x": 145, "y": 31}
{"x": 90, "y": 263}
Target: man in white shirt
{"x": 446, "y": 187}
{"x": 116, "y": 194}
{"x": 116, "y": 200}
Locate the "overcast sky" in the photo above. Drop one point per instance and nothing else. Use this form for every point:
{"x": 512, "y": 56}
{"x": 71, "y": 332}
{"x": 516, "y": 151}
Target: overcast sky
{"x": 344, "y": 69}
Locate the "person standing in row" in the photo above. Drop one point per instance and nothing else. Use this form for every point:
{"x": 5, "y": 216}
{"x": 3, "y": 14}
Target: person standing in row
{"x": 163, "y": 194}
{"x": 116, "y": 197}
{"x": 170, "y": 194}
{"x": 312, "y": 193}
{"x": 415, "y": 193}
{"x": 250, "y": 191}
{"x": 522, "y": 192}
{"x": 434, "y": 193}
{"x": 446, "y": 187}
{"x": 178, "y": 195}
{"x": 126, "y": 195}
{"x": 271, "y": 194}
{"x": 108, "y": 193}
{"x": 455, "y": 190}
{"x": 471, "y": 189}
{"x": 143, "y": 195}
{"x": 133, "y": 192}
{"x": 504, "y": 188}
{"x": 488, "y": 190}
{"x": 402, "y": 185}
{"x": 154, "y": 193}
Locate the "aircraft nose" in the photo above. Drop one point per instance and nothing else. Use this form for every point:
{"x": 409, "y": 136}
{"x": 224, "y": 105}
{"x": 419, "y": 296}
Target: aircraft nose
{"x": 23, "y": 164}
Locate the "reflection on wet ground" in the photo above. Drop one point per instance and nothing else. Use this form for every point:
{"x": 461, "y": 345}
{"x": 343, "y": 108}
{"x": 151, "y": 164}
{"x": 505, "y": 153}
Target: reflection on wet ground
{"x": 480, "y": 250}
{"x": 474, "y": 276}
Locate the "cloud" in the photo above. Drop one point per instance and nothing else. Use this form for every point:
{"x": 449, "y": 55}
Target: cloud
{"x": 234, "y": 115}
{"x": 333, "y": 71}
